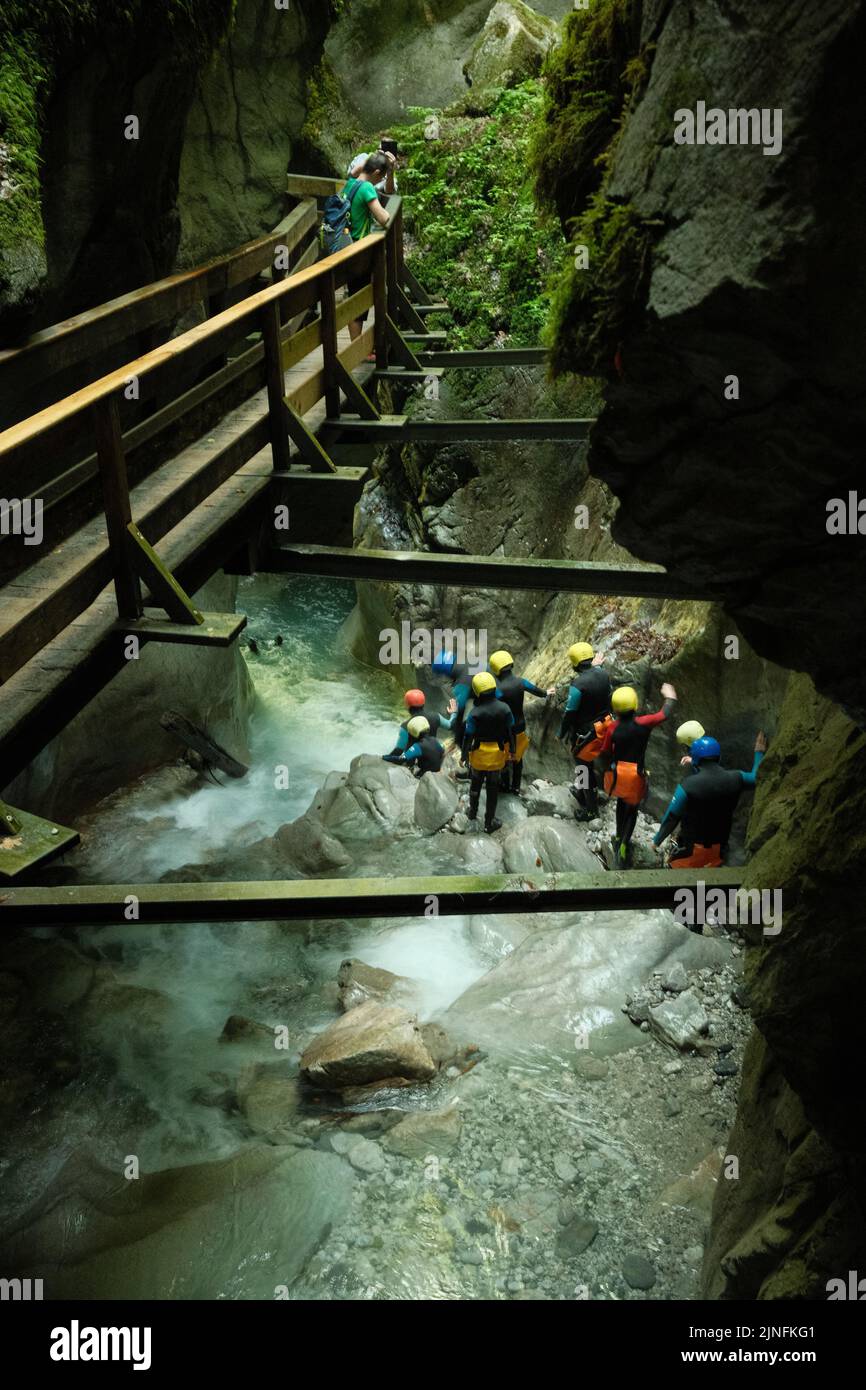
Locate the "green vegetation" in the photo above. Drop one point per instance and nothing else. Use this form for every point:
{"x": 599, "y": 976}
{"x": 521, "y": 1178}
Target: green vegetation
{"x": 476, "y": 237}
{"x": 592, "y": 79}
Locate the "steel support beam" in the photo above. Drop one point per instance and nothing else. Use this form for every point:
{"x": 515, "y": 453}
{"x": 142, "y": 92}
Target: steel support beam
{"x": 322, "y": 899}
{"x": 480, "y": 571}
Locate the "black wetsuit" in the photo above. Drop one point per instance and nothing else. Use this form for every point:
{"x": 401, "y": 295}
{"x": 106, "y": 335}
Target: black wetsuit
{"x": 491, "y": 721}
{"x": 595, "y": 689}
{"x": 513, "y": 690}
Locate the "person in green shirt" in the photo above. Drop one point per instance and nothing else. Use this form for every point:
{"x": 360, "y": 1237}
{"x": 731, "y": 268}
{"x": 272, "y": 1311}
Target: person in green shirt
{"x": 366, "y": 208}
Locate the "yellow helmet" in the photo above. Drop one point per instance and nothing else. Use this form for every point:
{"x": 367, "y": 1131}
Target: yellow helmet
{"x": 499, "y": 661}
{"x": 623, "y": 700}
{"x": 688, "y": 732}
{"x": 419, "y": 726}
{"x": 483, "y": 682}
{"x": 581, "y": 651}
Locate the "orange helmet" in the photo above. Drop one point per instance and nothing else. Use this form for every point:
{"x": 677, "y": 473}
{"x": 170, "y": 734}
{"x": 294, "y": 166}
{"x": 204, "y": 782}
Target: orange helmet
{"x": 413, "y": 699}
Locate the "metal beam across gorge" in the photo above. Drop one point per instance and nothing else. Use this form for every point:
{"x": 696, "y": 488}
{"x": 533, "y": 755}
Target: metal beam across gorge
{"x": 479, "y": 571}
{"x": 317, "y": 899}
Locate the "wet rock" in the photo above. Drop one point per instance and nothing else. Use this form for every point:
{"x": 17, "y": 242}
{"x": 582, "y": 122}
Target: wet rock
{"x": 358, "y": 982}
{"x": 558, "y": 845}
{"x": 427, "y": 1132}
{"x": 511, "y": 46}
{"x": 373, "y": 798}
{"x": 638, "y": 1272}
{"x": 590, "y": 1068}
{"x": 269, "y": 1102}
{"x": 371, "y": 1043}
{"x": 437, "y": 1042}
{"x": 534, "y": 1214}
{"x": 564, "y": 1168}
{"x": 253, "y": 1221}
{"x": 366, "y": 1155}
{"x": 682, "y": 1023}
{"x": 547, "y": 799}
{"x": 306, "y": 845}
{"x": 576, "y": 1237}
{"x": 697, "y": 1189}
{"x": 436, "y": 800}
{"x": 676, "y": 980}
{"x": 239, "y": 1029}
{"x": 725, "y": 1067}
{"x": 566, "y": 983}
{"x": 693, "y": 1255}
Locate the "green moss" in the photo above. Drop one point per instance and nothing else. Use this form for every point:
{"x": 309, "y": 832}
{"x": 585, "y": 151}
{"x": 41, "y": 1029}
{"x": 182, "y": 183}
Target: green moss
{"x": 330, "y": 134}
{"x": 592, "y": 81}
{"x": 21, "y": 76}
{"x": 475, "y": 234}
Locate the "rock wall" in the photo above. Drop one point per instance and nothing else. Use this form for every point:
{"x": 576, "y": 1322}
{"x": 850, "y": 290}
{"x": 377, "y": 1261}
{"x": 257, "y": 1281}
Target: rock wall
{"x": 748, "y": 263}
{"x": 219, "y": 109}
{"x": 117, "y": 737}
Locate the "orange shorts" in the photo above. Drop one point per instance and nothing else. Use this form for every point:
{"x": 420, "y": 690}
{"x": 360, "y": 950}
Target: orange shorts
{"x": 627, "y": 783}
{"x": 701, "y": 857}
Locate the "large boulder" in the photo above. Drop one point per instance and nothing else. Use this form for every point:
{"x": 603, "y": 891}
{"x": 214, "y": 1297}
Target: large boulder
{"x": 374, "y": 1042}
{"x": 543, "y": 844}
{"x": 373, "y": 798}
{"x": 511, "y": 47}
{"x": 564, "y": 986}
{"x": 234, "y": 1229}
{"x": 424, "y": 1133}
{"x": 435, "y": 801}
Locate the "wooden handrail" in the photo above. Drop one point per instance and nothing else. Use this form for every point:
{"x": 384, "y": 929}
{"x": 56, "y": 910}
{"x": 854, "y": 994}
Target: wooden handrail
{"x": 69, "y": 342}
{"x": 342, "y": 265}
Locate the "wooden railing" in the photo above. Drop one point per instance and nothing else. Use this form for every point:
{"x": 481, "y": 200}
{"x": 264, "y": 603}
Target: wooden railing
{"x": 96, "y": 412}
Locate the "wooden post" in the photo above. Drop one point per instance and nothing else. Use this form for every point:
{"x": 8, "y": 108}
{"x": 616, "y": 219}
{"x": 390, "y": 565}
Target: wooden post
{"x": 398, "y": 245}
{"x": 276, "y": 385}
{"x": 393, "y": 281}
{"x": 329, "y": 344}
{"x": 380, "y": 305}
{"x": 118, "y": 512}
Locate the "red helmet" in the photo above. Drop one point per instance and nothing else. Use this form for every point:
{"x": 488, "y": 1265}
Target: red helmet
{"x": 413, "y": 699}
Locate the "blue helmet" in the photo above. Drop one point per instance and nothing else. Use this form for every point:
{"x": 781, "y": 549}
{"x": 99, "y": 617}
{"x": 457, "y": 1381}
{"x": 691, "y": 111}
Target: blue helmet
{"x": 704, "y": 750}
{"x": 443, "y": 663}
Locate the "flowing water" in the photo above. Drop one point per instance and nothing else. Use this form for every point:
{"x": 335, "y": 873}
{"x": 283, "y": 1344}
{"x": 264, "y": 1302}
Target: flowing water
{"x": 159, "y": 1083}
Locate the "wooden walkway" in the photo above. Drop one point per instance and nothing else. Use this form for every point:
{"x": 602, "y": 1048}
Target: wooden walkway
{"x": 61, "y": 676}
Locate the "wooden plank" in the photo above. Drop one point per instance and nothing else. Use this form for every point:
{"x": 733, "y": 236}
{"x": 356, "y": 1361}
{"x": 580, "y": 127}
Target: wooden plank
{"x": 481, "y": 572}
{"x": 38, "y": 702}
{"x": 442, "y": 431}
{"x": 317, "y": 899}
{"x": 162, "y": 584}
{"x": 380, "y": 306}
{"x": 311, "y": 186}
{"x": 307, "y": 443}
{"x": 354, "y": 306}
{"x": 399, "y": 347}
{"x": 36, "y": 842}
{"x": 299, "y": 345}
{"x": 118, "y": 513}
{"x": 274, "y": 376}
{"x": 407, "y": 314}
{"x": 488, "y": 357}
{"x": 352, "y": 356}
{"x": 299, "y": 291}
{"x": 82, "y": 336}
{"x": 354, "y": 393}
{"x": 328, "y": 303}
{"x": 413, "y": 286}
{"x": 302, "y": 398}
{"x": 214, "y": 630}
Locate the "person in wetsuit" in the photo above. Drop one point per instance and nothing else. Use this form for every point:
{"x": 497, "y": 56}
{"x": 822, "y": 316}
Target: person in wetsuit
{"x": 424, "y": 752}
{"x": 626, "y": 741}
{"x": 586, "y": 718}
{"x": 460, "y": 676}
{"x": 704, "y": 803}
{"x": 488, "y": 743}
{"x": 415, "y": 704}
{"x": 512, "y": 690}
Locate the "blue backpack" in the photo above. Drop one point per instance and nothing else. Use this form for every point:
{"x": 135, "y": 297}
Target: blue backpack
{"x": 336, "y": 232}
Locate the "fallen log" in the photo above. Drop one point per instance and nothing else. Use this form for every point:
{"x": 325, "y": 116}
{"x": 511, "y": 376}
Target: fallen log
{"x": 199, "y": 742}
